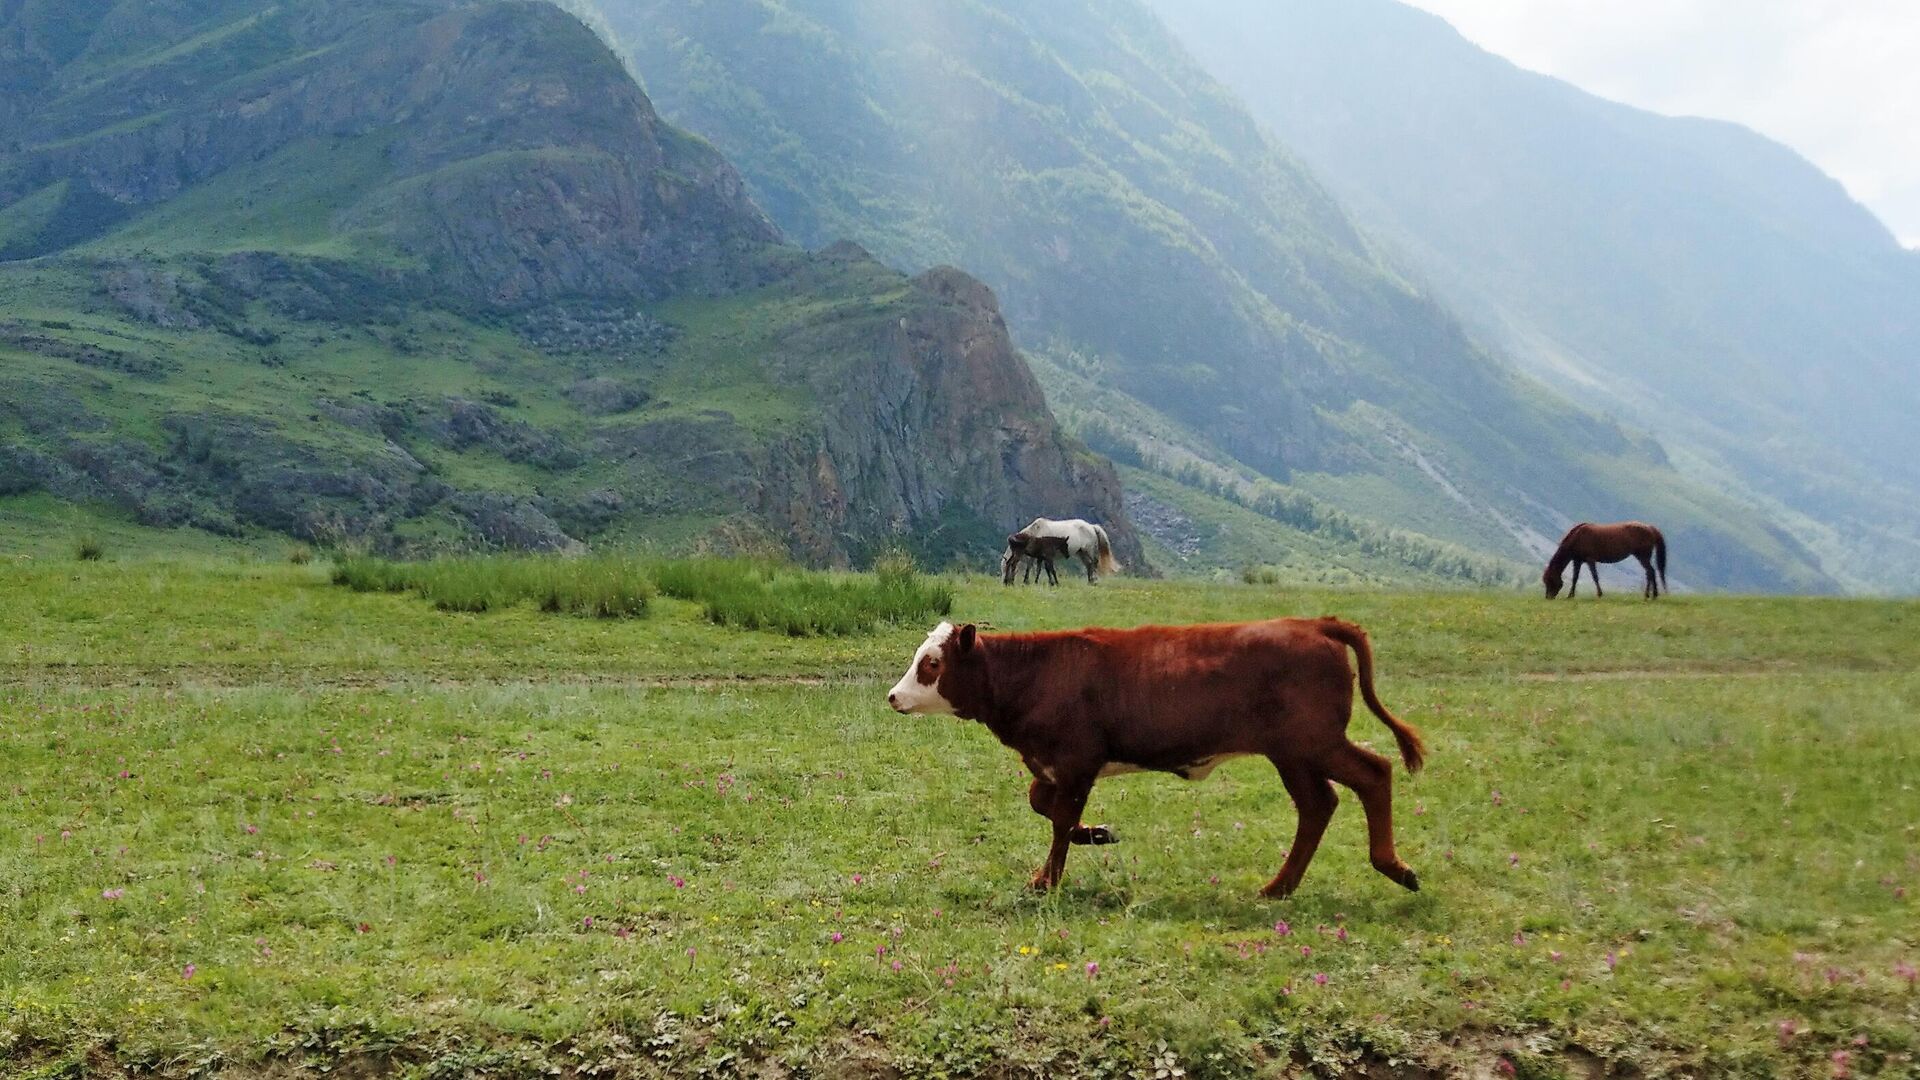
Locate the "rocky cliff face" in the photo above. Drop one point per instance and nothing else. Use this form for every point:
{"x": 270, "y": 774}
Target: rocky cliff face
{"x": 942, "y": 428}
{"x": 575, "y": 314}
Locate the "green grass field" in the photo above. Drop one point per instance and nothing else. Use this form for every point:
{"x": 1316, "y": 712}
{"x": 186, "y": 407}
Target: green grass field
{"x": 254, "y": 823}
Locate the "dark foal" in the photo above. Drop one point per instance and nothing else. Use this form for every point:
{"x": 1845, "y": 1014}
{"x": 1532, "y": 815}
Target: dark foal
{"x": 1041, "y": 550}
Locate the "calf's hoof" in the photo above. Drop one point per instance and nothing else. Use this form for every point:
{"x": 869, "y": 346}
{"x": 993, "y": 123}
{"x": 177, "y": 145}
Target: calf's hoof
{"x": 1094, "y": 834}
{"x": 1279, "y": 890}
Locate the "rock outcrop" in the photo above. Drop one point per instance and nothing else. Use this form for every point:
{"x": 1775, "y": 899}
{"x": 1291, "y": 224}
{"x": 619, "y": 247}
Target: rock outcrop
{"x": 944, "y": 427}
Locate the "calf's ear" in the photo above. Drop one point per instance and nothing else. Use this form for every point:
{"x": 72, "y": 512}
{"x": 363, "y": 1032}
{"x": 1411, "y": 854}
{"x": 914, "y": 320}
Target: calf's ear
{"x": 966, "y": 636}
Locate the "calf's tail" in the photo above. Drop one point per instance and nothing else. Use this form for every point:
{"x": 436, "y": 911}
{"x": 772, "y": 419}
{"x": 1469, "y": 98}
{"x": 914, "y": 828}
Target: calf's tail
{"x": 1412, "y": 750}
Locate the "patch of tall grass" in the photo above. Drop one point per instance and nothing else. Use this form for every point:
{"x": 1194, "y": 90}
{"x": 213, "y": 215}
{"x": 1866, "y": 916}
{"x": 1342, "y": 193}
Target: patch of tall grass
{"x": 751, "y": 594}
{"x": 756, "y": 594}
{"x": 599, "y": 586}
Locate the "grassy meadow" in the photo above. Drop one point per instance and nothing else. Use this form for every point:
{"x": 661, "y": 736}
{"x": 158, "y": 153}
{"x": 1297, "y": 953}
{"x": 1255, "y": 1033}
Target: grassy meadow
{"x": 254, "y": 823}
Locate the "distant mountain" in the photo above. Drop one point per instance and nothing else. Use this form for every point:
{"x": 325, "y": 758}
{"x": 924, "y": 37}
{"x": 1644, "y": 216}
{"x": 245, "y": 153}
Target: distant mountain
{"x": 431, "y": 273}
{"x": 1195, "y": 300}
{"x": 1687, "y": 275}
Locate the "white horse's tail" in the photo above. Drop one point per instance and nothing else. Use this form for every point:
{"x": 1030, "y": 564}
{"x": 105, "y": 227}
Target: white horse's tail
{"x": 1108, "y": 564}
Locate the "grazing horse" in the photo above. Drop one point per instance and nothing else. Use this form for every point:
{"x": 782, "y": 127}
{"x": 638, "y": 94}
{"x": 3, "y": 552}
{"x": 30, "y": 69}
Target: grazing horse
{"x": 1039, "y": 549}
{"x": 1595, "y": 544}
{"x": 1085, "y": 541}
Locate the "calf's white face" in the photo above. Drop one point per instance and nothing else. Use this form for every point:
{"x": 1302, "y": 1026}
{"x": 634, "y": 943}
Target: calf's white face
{"x": 918, "y": 691}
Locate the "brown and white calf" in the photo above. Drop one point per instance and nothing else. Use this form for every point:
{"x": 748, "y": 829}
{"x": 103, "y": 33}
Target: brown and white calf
{"x": 1078, "y": 705}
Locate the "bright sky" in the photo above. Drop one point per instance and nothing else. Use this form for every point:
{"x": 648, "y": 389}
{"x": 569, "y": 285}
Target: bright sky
{"x": 1837, "y": 80}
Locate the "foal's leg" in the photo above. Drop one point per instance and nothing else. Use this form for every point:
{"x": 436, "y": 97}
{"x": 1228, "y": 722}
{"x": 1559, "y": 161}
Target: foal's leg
{"x": 1371, "y": 777}
{"x": 1314, "y": 800}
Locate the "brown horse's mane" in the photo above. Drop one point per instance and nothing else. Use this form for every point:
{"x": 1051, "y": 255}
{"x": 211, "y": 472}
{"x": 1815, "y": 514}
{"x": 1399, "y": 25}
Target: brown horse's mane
{"x": 1563, "y": 554}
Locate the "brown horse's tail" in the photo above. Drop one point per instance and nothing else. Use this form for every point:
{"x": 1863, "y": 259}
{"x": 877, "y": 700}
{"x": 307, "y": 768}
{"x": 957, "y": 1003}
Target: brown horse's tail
{"x": 1660, "y": 557}
{"x": 1412, "y": 750}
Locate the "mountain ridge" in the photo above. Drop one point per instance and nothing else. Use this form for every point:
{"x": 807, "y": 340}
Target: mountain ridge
{"x": 429, "y": 274}
{"x": 1143, "y": 231}
{"x": 1686, "y": 274}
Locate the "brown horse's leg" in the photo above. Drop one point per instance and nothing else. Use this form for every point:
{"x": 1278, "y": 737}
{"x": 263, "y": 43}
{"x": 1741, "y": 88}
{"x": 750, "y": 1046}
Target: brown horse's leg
{"x": 1371, "y": 777}
{"x": 1575, "y": 591}
{"x": 1314, "y": 800}
{"x": 1651, "y": 590}
{"x": 1595, "y": 567}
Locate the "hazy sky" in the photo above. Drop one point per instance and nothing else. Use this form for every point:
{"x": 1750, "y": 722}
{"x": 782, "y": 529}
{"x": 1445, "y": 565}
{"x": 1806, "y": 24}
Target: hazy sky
{"x": 1837, "y": 80}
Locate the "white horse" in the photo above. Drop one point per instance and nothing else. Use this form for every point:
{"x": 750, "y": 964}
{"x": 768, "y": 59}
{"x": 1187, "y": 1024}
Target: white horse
{"x": 1085, "y": 541}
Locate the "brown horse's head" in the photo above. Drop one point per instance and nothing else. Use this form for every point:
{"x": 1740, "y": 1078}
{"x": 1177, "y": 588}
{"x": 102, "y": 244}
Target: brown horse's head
{"x": 1552, "y": 580}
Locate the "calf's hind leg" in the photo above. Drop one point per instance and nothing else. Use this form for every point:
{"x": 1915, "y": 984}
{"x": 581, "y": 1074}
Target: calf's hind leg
{"x": 1314, "y": 799}
{"x": 1371, "y": 777}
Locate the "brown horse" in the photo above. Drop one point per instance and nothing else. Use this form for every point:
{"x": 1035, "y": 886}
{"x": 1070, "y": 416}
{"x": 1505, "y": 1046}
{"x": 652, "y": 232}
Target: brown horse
{"x": 1595, "y": 544}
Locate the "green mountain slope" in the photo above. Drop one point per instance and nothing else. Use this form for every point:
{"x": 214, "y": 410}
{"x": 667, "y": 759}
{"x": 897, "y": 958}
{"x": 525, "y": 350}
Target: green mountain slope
{"x": 435, "y": 273}
{"x": 1178, "y": 274}
{"x": 1688, "y": 275}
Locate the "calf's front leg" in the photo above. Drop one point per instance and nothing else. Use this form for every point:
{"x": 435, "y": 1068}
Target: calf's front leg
{"x": 1069, "y": 799}
{"x": 1041, "y": 795}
